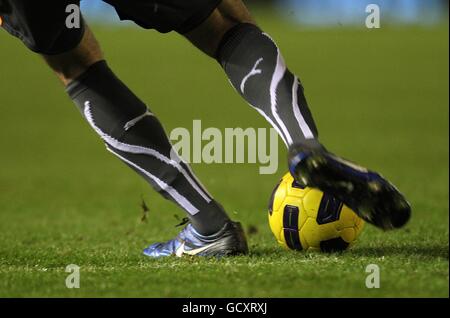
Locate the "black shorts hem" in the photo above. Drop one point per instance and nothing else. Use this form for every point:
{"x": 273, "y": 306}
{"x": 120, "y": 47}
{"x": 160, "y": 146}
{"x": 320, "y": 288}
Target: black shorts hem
{"x": 70, "y": 43}
{"x": 198, "y": 18}
{"x": 165, "y": 16}
{"x": 41, "y": 28}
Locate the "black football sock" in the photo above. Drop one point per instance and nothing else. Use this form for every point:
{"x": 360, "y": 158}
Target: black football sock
{"x": 132, "y": 133}
{"x": 257, "y": 70}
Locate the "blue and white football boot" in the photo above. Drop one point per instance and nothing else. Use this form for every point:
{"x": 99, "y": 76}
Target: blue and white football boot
{"x": 230, "y": 240}
{"x": 372, "y": 197}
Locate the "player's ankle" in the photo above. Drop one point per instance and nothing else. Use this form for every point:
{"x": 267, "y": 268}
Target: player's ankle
{"x": 210, "y": 221}
{"x": 306, "y": 145}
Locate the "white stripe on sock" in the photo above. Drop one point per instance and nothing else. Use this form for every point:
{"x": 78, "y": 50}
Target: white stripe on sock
{"x": 298, "y": 115}
{"x": 192, "y": 174}
{"x": 134, "y": 121}
{"x": 253, "y": 72}
{"x": 272, "y": 123}
{"x": 141, "y": 150}
{"x": 180, "y": 199}
{"x": 278, "y": 75}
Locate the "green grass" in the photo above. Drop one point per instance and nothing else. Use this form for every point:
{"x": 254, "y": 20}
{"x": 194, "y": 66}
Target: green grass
{"x": 380, "y": 97}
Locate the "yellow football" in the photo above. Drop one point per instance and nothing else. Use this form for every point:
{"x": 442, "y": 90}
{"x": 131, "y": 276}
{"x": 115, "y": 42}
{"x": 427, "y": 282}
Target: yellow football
{"x": 303, "y": 218}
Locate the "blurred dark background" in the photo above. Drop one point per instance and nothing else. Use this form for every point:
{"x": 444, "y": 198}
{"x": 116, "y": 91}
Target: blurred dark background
{"x": 320, "y": 13}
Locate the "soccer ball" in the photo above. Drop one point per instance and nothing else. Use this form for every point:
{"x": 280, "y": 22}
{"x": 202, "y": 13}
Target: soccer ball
{"x": 303, "y": 218}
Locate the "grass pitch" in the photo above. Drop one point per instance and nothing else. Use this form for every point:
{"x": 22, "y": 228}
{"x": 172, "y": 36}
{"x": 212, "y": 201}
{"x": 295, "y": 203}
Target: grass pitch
{"x": 380, "y": 97}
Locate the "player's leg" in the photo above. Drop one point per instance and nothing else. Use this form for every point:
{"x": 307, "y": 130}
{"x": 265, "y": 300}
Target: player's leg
{"x": 133, "y": 133}
{"x": 70, "y": 65}
{"x": 257, "y": 70}
{"x": 129, "y": 130}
